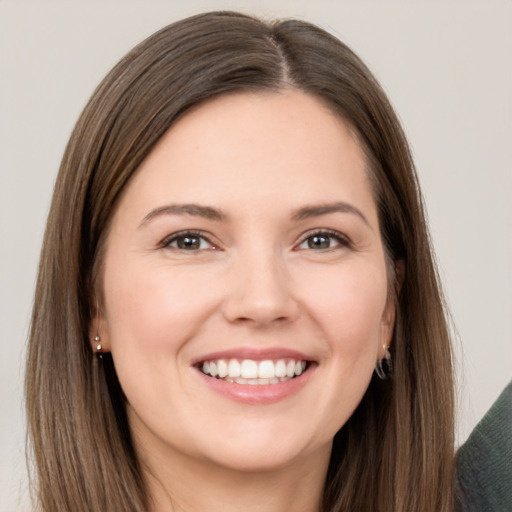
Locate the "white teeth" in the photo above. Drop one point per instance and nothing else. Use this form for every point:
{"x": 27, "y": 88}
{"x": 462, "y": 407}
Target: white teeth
{"x": 222, "y": 368}
{"x": 249, "y": 369}
{"x": 254, "y": 372}
{"x": 233, "y": 368}
{"x": 266, "y": 370}
{"x": 256, "y": 381}
{"x": 280, "y": 369}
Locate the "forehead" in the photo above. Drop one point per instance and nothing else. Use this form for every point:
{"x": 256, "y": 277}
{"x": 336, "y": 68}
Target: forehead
{"x": 255, "y": 149}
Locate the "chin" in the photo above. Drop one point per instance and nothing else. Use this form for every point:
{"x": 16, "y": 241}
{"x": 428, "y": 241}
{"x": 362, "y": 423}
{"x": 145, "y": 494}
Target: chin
{"x": 257, "y": 461}
{"x": 267, "y": 453}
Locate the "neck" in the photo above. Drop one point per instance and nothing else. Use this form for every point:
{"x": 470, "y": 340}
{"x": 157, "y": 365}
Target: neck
{"x": 198, "y": 486}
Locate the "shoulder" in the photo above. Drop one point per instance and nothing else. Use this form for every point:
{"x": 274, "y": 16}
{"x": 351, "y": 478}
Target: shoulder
{"x": 484, "y": 461}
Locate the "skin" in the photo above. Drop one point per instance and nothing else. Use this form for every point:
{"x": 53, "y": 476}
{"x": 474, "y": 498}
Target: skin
{"x": 255, "y": 280}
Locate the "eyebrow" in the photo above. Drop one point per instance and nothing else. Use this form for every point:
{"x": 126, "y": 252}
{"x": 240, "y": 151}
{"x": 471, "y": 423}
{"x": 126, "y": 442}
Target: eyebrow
{"x": 196, "y": 210}
{"x": 308, "y": 212}
{"x": 211, "y": 213}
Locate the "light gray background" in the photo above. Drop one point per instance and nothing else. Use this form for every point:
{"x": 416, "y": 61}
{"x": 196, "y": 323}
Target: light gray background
{"x": 446, "y": 66}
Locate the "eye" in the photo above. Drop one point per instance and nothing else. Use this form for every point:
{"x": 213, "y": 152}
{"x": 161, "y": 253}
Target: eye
{"x": 188, "y": 241}
{"x": 323, "y": 240}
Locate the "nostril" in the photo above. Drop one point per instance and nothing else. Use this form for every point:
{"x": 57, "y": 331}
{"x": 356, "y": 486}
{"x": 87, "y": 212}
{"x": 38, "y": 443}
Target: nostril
{"x": 261, "y": 320}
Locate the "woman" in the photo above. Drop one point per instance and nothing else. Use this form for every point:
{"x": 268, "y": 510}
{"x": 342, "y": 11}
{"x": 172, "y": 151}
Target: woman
{"x": 238, "y": 201}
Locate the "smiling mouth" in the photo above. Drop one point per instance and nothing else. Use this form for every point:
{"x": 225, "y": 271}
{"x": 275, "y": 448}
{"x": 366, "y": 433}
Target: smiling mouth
{"x": 250, "y": 371}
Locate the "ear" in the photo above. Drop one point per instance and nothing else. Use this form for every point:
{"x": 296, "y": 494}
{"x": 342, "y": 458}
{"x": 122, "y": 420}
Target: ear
{"x": 389, "y": 315}
{"x": 387, "y": 325}
{"x": 98, "y": 332}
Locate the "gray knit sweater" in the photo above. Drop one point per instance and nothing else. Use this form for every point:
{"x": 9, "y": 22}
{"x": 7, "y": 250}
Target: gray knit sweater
{"x": 484, "y": 461}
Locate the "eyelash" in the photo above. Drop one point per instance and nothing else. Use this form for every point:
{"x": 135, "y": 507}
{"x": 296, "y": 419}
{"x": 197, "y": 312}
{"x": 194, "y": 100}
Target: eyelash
{"x": 324, "y": 233}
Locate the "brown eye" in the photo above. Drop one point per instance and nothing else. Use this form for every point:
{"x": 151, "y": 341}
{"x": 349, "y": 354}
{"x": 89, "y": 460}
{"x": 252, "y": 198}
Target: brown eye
{"x": 319, "y": 242}
{"x": 187, "y": 242}
{"x": 323, "y": 240}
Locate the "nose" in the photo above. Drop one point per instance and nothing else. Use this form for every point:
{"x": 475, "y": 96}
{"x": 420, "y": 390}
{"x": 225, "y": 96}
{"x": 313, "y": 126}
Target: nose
{"x": 260, "y": 292}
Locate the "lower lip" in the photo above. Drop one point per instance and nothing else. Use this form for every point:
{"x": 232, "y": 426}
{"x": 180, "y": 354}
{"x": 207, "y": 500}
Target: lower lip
{"x": 258, "y": 394}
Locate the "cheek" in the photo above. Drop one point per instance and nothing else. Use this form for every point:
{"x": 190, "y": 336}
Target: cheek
{"x": 349, "y": 312}
{"x": 349, "y": 305}
{"x": 152, "y": 315}
{"x": 153, "y": 308}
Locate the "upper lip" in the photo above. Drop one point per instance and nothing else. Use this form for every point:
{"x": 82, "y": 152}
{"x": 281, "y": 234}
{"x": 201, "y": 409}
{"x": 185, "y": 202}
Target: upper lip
{"x": 258, "y": 354}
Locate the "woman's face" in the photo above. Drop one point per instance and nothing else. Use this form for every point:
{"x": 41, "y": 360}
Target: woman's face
{"x": 246, "y": 246}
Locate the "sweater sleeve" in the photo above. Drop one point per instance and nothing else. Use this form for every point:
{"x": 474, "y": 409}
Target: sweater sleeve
{"x": 484, "y": 461}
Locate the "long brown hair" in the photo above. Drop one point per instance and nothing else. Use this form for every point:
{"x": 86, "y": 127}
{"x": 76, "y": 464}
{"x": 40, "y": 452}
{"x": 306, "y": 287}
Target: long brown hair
{"x": 396, "y": 452}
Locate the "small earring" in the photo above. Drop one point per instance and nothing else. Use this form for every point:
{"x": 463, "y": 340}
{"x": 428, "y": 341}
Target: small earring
{"x": 97, "y": 342}
{"x": 384, "y": 366}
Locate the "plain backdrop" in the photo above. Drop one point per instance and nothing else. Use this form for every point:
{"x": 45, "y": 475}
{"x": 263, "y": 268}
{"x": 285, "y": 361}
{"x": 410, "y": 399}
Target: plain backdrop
{"x": 446, "y": 66}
